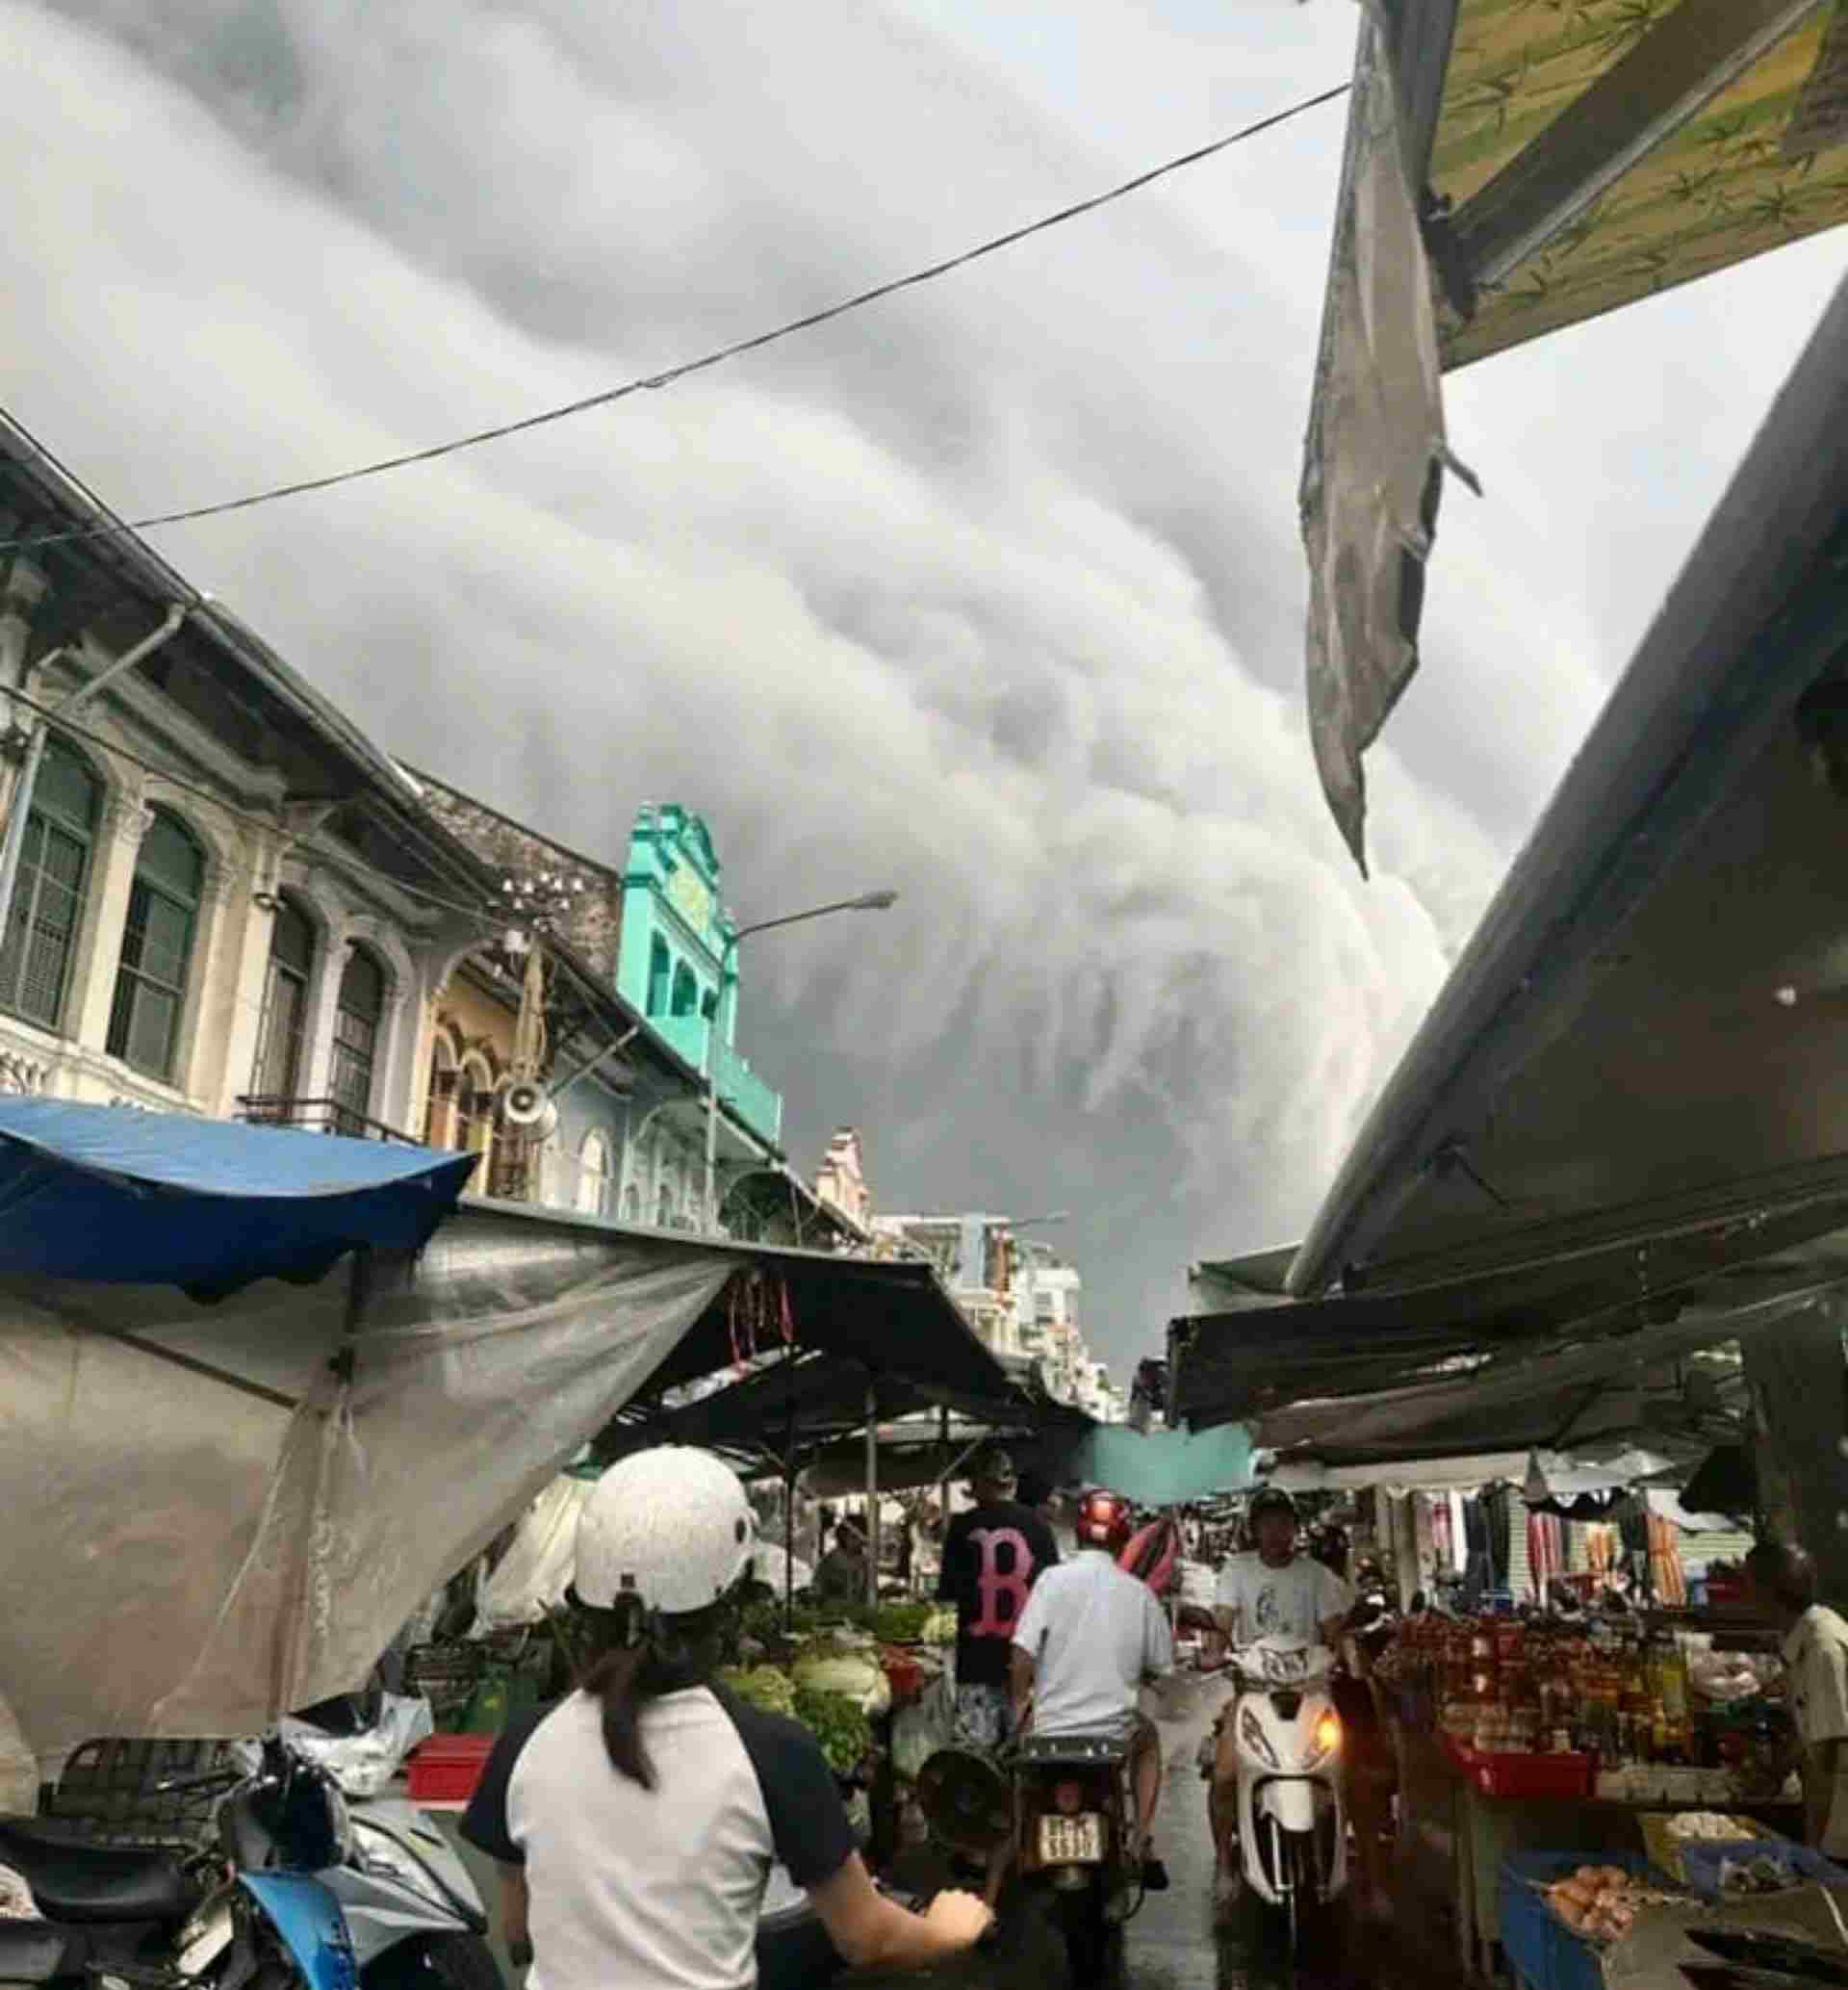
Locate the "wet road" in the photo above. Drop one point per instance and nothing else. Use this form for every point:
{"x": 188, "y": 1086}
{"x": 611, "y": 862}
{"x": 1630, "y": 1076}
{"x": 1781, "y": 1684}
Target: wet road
{"x": 1174, "y": 1945}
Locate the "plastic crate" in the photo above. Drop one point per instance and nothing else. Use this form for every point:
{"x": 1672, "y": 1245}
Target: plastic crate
{"x": 1523, "y": 1776}
{"x": 1541, "y": 1946}
{"x": 1702, "y": 1857}
{"x": 447, "y": 1768}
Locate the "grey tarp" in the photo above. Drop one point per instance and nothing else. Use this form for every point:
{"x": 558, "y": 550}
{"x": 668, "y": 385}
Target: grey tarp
{"x": 197, "y": 1548}
{"x": 1373, "y": 467}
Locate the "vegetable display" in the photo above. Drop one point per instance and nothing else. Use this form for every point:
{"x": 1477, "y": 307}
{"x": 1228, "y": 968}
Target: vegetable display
{"x": 853, "y": 1671}
{"x": 940, "y": 1627}
{"x": 838, "y": 1725}
{"x": 902, "y": 1623}
{"x": 764, "y": 1685}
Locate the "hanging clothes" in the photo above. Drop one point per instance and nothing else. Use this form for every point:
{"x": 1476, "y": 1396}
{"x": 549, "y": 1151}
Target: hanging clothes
{"x": 1665, "y": 1575}
{"x": 1546, "y": 1551}
{"x": 1602, "y": 1546}
{"x": 1459, "y": 1534}
{"x": 1498, "y": 1510}
{"x": 1441, "y": 1546}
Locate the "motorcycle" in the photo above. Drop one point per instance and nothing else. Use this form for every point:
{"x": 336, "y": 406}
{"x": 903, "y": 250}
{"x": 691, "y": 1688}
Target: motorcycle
{"x": 1292, "y": 1819}
{"x": 300, "y": 1889}
{"x": 1067, "y": 1804}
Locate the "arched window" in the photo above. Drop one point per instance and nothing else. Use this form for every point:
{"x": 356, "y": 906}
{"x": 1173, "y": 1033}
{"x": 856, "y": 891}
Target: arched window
{"x": 631, "y": 1204}
{"x": 439, "y": 1112}
{"x": 664, "y": 1209}
{"x": 48, "y": 893}
{"x": 593, "y": 1174}
{"x": 658, "y": 967}
{"x": 686, "y": 992}
{"x": 277, "y": 1076}
{"x": 473, "y": 1120}
{"x": 358, "y": 1020}
{"x": 157, "y": 949}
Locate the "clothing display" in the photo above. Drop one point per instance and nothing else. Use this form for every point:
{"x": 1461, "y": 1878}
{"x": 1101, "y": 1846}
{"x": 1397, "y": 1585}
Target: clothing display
{"x": 1665, "y": 1577}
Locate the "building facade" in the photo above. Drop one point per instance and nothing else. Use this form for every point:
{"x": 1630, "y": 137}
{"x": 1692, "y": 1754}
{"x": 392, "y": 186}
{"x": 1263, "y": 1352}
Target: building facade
{"x": 224, "y": 901}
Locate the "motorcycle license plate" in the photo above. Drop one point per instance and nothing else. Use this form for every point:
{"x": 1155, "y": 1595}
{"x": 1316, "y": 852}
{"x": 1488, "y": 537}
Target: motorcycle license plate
{"x": 1072, "y": 1841}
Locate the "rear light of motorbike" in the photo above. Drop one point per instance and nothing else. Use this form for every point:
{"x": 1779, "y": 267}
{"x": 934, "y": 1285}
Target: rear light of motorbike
{"x": 1068, "y": 1799}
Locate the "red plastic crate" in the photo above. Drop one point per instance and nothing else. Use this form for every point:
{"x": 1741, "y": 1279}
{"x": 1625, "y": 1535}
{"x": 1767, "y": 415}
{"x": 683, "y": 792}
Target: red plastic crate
{"x": 1525, "y": 1776}
{"x": 446, "y": 1769}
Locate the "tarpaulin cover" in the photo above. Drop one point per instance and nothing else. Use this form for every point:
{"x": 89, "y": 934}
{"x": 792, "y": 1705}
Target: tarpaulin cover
{"x": 218, "y": 1515}
{"x": 533, "y": 1575}
{"x": 162, "y": 1199}
{"x": 1163, "y": 1469}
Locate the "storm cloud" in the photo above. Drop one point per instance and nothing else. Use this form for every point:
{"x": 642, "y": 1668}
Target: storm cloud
{"x": 991, "y": 592}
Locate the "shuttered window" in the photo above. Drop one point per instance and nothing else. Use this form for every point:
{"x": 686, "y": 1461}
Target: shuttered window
{"x": 157, "y": 949}
{"x": 48, "y": 893}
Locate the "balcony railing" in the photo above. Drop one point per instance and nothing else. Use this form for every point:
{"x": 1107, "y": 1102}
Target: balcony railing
{"x": 319, "y": 1115}
{"x": 748, "y": 1095}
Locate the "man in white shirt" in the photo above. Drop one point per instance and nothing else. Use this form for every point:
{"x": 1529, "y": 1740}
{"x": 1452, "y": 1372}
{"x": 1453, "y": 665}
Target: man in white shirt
{"x": 1272, "y": 1592}
{"x": 1090, "y": 1636}
{"x": 1815, "y": 1660}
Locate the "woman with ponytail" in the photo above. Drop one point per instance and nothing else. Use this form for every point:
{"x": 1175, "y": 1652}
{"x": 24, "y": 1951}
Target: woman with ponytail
{"x": 636, "y": 1821}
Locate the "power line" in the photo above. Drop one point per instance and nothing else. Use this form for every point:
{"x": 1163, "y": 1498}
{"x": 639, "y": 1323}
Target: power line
{"x": 651, "y": 381}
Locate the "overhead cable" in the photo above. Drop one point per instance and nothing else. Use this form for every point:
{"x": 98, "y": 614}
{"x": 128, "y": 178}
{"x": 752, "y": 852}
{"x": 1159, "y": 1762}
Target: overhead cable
{"x": 609, "y": 395}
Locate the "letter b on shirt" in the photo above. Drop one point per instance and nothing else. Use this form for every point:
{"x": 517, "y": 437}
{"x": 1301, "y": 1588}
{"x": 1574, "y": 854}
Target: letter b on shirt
{"x": 1004, "y": 1575}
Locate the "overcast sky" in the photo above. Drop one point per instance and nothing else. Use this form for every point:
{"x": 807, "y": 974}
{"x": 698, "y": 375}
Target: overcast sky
{"x": 991, "y": 592}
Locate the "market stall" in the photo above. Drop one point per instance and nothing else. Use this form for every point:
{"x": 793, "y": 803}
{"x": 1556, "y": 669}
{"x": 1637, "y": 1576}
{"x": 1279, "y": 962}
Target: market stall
{"x": 1571, "y": 1735}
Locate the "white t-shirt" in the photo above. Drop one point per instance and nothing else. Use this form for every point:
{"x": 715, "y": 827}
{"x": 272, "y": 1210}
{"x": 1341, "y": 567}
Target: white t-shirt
{"x": 1292, "y": 1602}
{"x": 660, "y": 1887}
{"x": 1093, "y": 1633}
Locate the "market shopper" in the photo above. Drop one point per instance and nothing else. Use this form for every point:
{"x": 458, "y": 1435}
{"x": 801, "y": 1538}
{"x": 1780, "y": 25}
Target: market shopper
{"x": 993, "y": 1555}
{"x": 636, "y": 1821}
{"x": 841, "y": 1576}
{"x": 1815, "y": 1657}
{"x": 1091, "y": 1638}
{"x": 1273, "y": 1591}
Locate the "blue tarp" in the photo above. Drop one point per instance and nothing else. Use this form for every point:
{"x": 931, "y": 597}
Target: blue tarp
{"x": 1165, "y": 1469}
{"x": 162, "y": 1199}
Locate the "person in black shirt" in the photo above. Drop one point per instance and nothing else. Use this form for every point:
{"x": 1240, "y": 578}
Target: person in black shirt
{"x": 992, "y": 1556}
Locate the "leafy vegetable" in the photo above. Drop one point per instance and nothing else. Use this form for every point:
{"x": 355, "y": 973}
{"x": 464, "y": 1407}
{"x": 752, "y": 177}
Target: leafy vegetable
{"x": 902, "y": 1623}
{"x": 837, "y": 1723}
{"x": 765, "y": 1685}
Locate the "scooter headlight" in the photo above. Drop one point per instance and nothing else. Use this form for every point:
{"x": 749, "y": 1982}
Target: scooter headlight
{"x": 1327, "y": 1738}
{"x": 382, "y": 1853}
{"x": 1254, "y": 1737}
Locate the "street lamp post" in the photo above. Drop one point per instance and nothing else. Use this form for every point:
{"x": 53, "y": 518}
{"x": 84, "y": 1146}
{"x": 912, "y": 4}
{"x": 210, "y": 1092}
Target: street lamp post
{"x": 867, "y": 901}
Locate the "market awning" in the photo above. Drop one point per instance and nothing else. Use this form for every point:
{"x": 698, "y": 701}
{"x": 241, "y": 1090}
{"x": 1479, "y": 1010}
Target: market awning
{"x": 253, "y": 1496}
{"x": 1701, "y": 1264}
{"x": 162, "y": 1199}
{"x": 1651, "y": 1008}
{"x": 1512, "y": 170}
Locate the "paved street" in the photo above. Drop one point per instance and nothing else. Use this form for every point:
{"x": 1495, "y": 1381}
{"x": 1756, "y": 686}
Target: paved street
{"x": 1172, "y": 1945}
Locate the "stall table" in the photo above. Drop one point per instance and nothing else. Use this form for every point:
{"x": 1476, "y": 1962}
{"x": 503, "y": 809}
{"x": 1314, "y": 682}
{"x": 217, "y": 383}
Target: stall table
{"x": 1449, "y": 1827}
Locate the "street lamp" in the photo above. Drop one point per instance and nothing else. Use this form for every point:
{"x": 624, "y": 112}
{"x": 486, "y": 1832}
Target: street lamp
{"x": 867, "y": 901}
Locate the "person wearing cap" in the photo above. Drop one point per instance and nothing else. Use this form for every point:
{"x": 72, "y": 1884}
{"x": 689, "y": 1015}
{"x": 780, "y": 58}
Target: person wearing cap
{"x": 637, "y": 1822}
{"x": 993, "y": 1557}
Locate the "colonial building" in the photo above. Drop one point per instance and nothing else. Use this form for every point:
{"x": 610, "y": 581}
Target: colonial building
{"x": 641, "y": 1020}
{"x": 223, "y": 899}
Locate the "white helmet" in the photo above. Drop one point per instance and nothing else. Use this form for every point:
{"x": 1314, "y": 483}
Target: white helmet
{"x": 671, "y": 1527}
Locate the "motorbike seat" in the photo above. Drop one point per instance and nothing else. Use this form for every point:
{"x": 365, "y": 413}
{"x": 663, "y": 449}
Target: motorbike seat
{"x": 34, "y": 1951}
{"x": 1094, "y": 1749}
{"x": 92, "y": 1883}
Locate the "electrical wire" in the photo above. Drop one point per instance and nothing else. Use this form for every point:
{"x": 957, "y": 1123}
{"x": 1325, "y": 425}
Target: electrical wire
{"x": 650, "y": 382}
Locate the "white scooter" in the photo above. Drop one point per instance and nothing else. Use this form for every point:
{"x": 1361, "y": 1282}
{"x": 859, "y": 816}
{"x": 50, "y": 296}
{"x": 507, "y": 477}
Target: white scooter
{"x": 1293, "y": 1823}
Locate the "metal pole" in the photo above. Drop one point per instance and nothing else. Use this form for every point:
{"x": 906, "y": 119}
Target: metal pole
{"x": 712, "y": 1090}
{"x": 942, "y": 1486}
{"x": 872, "y": 1495}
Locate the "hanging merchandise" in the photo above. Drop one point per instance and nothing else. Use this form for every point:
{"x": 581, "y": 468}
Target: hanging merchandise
{"x": 1665, "y": 1576}
{"x": 1546, "y": 1552}
{"x": 759, "y": 1316}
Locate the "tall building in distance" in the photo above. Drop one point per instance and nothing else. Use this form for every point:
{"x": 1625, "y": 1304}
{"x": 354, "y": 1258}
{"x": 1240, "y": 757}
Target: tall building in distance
{"x": 1020, "y": 1296}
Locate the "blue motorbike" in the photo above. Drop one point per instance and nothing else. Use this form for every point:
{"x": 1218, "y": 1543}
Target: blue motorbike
{"x": 299, "y": 1892}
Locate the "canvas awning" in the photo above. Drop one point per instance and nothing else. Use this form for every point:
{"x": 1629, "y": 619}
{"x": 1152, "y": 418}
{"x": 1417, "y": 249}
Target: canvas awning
{"x": 250, "y": 1498}
{"x": 1512, "y": 170}
{"x": 159, "y": 1199}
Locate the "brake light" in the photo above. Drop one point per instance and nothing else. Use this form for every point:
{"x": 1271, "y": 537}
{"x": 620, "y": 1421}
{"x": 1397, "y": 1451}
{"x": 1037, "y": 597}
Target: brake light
{"x": 1068, "y": 1799}
{"x": 1327, "y": 1734}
